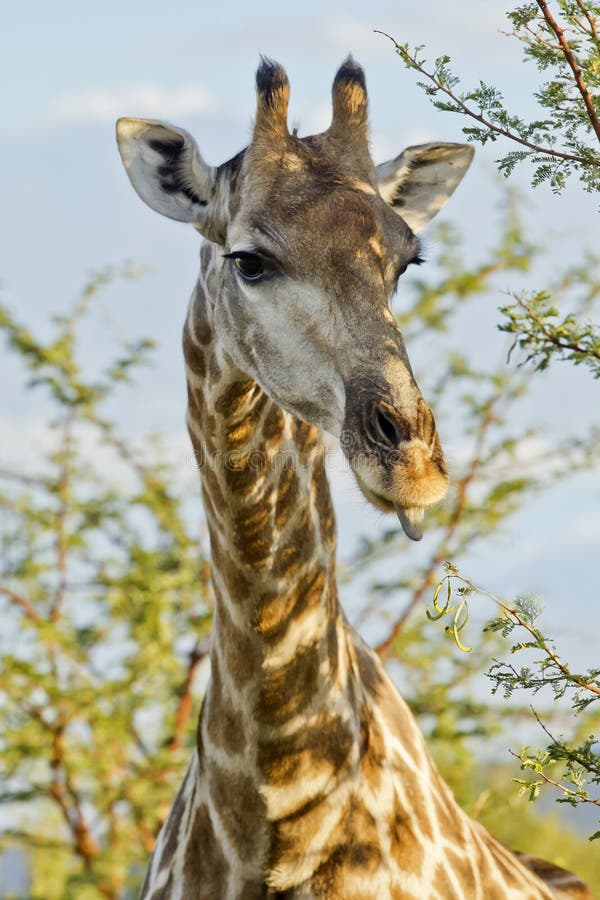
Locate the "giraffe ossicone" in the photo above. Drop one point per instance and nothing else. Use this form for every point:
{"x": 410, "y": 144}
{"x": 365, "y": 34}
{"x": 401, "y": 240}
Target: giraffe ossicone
{"x": 311, "y": 778}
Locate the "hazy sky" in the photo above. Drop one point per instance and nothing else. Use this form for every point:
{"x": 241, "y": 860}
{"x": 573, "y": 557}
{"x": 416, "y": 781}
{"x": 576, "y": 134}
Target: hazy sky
{"x": 69, "y": 69}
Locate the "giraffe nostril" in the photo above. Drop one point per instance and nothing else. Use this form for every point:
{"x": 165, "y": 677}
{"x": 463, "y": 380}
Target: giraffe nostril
{"x": 383, "y": 428}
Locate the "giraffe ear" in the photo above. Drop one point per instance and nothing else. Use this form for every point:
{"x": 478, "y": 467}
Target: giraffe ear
{"x": 166, "y": 169}
{"x": 418, "y": 183}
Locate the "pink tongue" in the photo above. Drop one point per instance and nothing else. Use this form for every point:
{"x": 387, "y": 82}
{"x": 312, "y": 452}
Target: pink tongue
{"x": 411, "y": 521}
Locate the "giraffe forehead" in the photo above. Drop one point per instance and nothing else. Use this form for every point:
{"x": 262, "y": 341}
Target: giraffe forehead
{"x": 325, "y": 231}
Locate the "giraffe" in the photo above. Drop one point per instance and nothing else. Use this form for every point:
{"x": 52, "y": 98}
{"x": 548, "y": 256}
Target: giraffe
{"x": 311, "y": 778}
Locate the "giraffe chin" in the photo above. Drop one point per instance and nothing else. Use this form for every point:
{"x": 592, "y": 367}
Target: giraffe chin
{"x": 411, "y": 518}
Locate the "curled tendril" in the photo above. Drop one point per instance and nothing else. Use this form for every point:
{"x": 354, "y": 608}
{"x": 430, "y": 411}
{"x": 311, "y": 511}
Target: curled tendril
{"x": 461, "y": 614}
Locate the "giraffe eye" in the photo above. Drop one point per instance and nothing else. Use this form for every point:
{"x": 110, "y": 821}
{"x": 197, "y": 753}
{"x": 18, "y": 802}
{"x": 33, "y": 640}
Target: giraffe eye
{"x": 249, "y": 265}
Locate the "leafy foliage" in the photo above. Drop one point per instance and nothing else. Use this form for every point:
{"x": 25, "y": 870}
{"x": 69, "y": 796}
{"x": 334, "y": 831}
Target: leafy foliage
{"x": 543, "y": 334}
{"x": 564, "y": 140}
{"x": 104, "y": 597}
{"x": 577, "y": 759}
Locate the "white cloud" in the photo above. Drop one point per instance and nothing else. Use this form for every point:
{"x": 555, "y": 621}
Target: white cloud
{"x": 106, "y": 104}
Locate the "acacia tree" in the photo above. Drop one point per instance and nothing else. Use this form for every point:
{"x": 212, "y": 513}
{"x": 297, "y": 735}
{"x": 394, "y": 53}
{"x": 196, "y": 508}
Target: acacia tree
{"x": 554, "y": 322}
{"x": 105, "y": 605}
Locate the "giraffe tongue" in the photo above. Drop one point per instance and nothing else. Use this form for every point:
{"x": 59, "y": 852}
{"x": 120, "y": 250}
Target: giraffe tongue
{"x": 412, "y": 521}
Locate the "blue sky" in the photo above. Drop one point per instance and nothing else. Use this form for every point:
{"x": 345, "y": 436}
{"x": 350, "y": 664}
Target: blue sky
{"x": 69, "y": 69}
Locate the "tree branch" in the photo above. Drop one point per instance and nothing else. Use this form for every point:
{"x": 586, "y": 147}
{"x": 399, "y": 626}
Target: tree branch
{"x": 184, "y": 707}
{"x": 593, "y": 32}
{"x": 573, "y": 64}
{"x": 66, "y": 797}
{"x": 514, "y": 614}
{"x": 496, "y": 129}
{"x": 569, "y": 792}
{"x": 20, "y": 601}
{"x": 554, "y": 339}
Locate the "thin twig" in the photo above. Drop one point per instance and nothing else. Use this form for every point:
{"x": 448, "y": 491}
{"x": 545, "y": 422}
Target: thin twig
{"x": 554, "y": 339}
{"x": 63, "y": 792}
{"x": 35, "y": 480}
{"x": 496, "y": 129}
{"x": 581, "y": 797}
{"x": 535, "y": 634}
{"x": 21, "y": 601}
{"x": 572, "y": 754}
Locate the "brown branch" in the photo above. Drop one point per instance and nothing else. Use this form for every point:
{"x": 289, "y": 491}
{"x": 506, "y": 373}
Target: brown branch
{"x": 496, "y": 129}
{"x": 184, "y": 707}
{"x": 554, "y": 339}
{"x": 533, "y": 36}
{"x": 574, "y": 66}
{"x": 66, "y": 797}
{"x": 581, "y": 797}
{"x": 593, "y": 32}
{"x": 20, "y": 601}
{"x": 535, "y": 634}
{"x": 562, "y": 667}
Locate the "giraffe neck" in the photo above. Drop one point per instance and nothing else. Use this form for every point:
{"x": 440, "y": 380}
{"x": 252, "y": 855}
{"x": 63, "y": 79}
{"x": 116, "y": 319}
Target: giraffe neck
{"x": 311, "y": 776}
{"x": 279, "y": 658}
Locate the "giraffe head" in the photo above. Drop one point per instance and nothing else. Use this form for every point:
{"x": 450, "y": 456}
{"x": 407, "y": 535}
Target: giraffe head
{"x": 315, "y": 238}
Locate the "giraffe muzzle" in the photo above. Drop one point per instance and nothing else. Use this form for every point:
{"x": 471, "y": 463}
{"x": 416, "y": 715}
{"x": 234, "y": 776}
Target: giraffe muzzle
{"x": 395, "y": 454}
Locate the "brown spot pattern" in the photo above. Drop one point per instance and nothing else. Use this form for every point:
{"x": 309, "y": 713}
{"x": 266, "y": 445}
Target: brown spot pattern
{"x": 306, "y": 438}
{"x": 225, "y": 725}
{"x": 205, "y": 868}
{"x": 194, "y": 355}
{"x": 326, "y": 744}
{"x": 240, "y": 809}
{"x": 232, "y": 403}
{"x": 274, "y": 613}
{"x": 372, "y": 750}
{"x": 286, "y": 691}
{"x": 174, "y": 823}
{"x": 357, "y": 850}
{"x": 323, "y": 502}
{"x": 273, "y": 425}
{"x": 253, "y": 534}
{"x": 291, "y": 555}
{"x": 288, "y": 493}
{"x": 443, "y": 885}
{"x": 241, "y": 654}
{"x": 406, "y": 843}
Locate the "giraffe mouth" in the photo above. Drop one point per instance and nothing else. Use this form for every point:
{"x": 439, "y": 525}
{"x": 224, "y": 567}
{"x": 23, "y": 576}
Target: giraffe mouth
{"x": 411, "y": 518}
